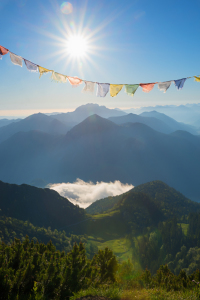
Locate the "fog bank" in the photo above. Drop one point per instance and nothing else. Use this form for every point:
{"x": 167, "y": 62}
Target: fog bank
{"x": 85, "y": 193}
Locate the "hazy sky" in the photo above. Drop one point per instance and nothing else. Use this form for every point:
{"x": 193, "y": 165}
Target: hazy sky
{"x": 130, "y": 42}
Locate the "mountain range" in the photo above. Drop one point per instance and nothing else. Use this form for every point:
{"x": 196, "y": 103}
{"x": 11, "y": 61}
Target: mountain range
{"x": 4, "y": 122}
{"x": 84, "y": 111}
{"x": 99, "y": 150}
{"x": 189, "y": 113}
{"x": 156, "y": 121}
{"x": 59, "y": 124}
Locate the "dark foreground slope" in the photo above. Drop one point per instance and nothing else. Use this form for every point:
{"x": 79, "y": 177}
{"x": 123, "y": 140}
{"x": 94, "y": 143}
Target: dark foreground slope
{"x": 42, "y": 207}
{"x": 99, "y": 150}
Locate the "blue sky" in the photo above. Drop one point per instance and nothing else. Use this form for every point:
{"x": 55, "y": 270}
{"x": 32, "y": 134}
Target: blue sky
{"x": 132, "y": 41}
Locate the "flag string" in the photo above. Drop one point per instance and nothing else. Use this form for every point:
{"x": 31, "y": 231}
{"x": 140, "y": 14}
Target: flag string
{"x": 102, "y": 88}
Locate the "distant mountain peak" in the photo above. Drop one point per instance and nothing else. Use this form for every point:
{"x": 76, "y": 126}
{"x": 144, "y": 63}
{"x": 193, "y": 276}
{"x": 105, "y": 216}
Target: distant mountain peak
{"x": 39, "y": 116}
{"x": 92, "y": 124}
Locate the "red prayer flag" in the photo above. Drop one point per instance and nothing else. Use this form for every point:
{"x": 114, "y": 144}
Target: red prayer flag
{"x": 3, "y": 50}
{"x": 147, "y": 87}
{"x": 74, "y": 80}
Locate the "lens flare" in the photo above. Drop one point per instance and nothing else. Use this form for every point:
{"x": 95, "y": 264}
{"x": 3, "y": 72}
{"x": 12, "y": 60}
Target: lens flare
{"x": 72, "y": 25}
{"x": 66, "y": 8}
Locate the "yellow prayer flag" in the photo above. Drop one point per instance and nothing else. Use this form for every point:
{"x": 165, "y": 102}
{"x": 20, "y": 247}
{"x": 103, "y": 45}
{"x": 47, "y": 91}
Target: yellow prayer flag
{"x": 115, "y": 89}
{"x": 197, "y": 78}
{"x": 43, "y": 71}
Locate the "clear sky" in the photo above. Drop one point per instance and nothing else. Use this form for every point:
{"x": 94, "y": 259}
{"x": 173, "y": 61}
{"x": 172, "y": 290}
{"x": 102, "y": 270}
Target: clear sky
{"x": 128, "y": 42}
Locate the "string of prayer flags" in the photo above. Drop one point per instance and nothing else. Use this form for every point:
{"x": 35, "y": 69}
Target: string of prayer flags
{"x": 3, "y": 50}
{"x": 43, "y": 70}
{"x": 147, "y": 87}
{"x": 102, "y": 89}
{"x": 58, "y": 77}
{"x": 163, "y": 86}
{"x": 31, "y": 66}
{"x": 197, "y": 78}
{"x": 16, "y": 60}
{"x": 115, "y": 89}
{"x": 130, "y": 89}
{"x": 75, "y": 81}
{"x": 89, "y": 87}
{"x": 180, "y": 83}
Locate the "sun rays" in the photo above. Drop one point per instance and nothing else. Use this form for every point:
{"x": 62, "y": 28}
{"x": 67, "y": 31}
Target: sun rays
{"x": 77, "y": 40}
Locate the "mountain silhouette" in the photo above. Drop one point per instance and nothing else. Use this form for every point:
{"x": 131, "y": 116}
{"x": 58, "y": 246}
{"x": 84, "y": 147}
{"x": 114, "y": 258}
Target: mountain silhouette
{"x": 92, "y": 125}
{"x": 152, "y": 122}
{"x": 84, "y": 111}
{"x": 39, "y": 122}
{"x": 5, "y": 122}
{"x": 188, "y": 113}
{"x": 99, "y": 150}
{"x": 173, "y": 124}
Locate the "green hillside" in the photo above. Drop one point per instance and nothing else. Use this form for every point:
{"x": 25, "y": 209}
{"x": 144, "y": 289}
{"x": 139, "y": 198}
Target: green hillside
{"x": 99, "y": 206}
{"x": 150, "y": 225}
{"x": 168, "y": 200}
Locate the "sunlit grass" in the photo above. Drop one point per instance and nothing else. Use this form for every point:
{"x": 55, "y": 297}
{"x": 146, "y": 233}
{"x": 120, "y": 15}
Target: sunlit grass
{"x": 111, "y": 292}
{"x": 184, "y": 227}
{"x": 115, "y": 293}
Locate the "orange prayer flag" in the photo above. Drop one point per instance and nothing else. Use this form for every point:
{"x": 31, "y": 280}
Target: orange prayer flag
{"x": 74, "y": 80}
{"x": 147, "y": 87}
{"x": 3, "y": 50}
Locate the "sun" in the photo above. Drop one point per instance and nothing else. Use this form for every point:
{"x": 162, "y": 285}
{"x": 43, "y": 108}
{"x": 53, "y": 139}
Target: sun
{"x": 76, "y": 46}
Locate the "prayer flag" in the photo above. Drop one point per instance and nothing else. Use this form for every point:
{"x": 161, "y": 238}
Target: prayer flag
{"x": 102, "y": 89}
{"x": 16, "y": 60}
{"x": 147, "y": 87}
{"x": 163, "y": 86}
{"x": 3, "y": 50}
{"x": 197, "y": 78}
{"x": 43, "y": 70}
{"x": 115, "y": 89}
{"x": 75, "y": 81}
{"x": 31, "y": 66}
{"x": 59, "y": 77}
{"x": 180, "y": 83}
{"x": 89, "y": 87}
{"x": 130, "y": 89}
{"x": 1, "y": 56}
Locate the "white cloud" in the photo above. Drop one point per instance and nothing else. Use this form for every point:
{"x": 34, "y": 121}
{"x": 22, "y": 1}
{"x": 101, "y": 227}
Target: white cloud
{"x": 85, "y": 193}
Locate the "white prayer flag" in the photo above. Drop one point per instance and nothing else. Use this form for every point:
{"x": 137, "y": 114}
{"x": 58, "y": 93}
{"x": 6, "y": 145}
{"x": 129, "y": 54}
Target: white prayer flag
{"x": 16, "y": 60}
{"x": 89, "y": 87}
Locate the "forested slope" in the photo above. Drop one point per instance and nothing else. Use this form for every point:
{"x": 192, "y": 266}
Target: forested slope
{"x": 42, "y": 207}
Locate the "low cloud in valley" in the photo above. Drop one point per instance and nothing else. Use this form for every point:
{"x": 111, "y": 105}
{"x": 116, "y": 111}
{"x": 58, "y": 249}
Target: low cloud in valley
{"x": 85, "y": 193}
